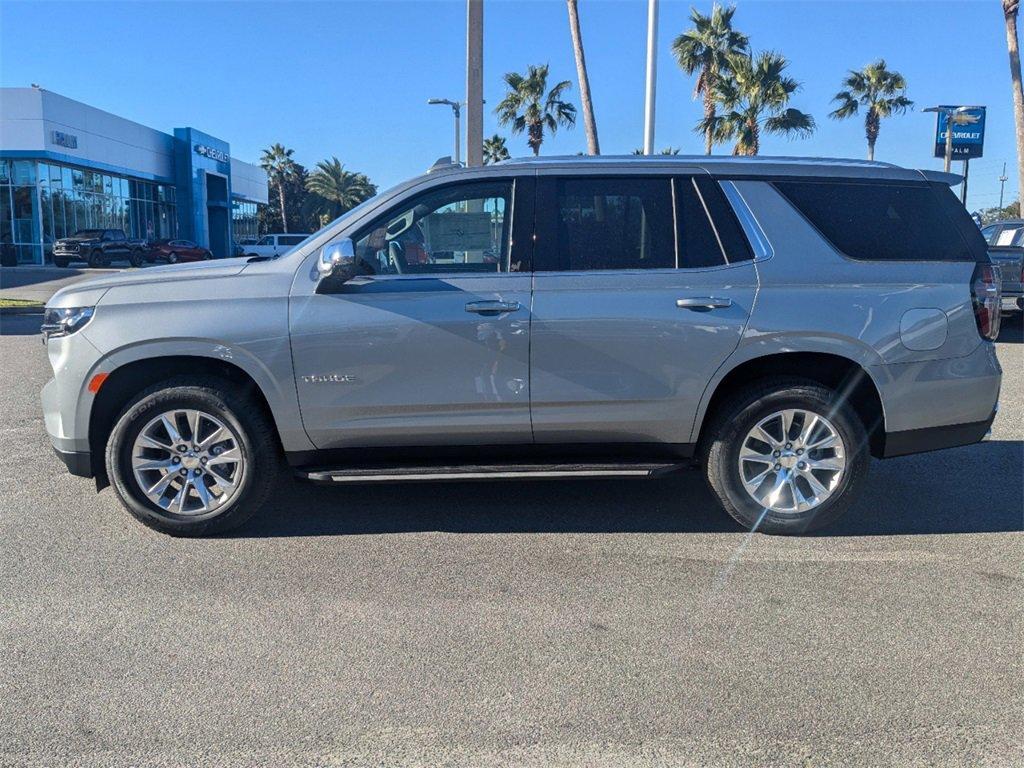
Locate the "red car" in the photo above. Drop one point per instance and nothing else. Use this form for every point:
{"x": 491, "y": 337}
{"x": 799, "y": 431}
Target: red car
{"x": 173, "y": 251}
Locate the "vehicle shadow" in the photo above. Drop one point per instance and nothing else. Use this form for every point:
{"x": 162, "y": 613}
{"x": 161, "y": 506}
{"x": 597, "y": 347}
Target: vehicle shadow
{"x": 1011, "y": 330}
{"x": 21, "y": 325}
{"x": 964, "y": 490}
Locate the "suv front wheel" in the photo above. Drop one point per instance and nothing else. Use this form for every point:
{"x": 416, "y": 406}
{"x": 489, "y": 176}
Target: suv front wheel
{"x": 189, "y": 458}
{"x": 786, "y": 456}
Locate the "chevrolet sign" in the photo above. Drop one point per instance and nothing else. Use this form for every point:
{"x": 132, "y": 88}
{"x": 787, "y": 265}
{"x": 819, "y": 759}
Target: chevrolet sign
{"x": 213, "y": 154}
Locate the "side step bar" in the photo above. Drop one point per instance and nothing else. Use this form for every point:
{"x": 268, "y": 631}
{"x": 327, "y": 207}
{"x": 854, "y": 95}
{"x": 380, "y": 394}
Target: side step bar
{"x": 427, "y": 473}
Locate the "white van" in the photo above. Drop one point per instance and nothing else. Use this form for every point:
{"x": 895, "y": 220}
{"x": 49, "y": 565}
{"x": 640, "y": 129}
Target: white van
{"x": 274, "y": 245}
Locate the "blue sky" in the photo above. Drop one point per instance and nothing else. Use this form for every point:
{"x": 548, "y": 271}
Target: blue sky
{"x": 351, "y": 78}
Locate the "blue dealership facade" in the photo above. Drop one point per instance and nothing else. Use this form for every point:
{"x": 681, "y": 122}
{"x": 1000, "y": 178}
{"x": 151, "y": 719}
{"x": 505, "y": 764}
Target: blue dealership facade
{"x": 66, "y": 166}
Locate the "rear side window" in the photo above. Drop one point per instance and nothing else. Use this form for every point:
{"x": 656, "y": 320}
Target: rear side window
{"x": 698, "y": 241}
{"x": 885, "y": 222}
{"x": 290, "y": 240}
{"x": 614, "y": 224}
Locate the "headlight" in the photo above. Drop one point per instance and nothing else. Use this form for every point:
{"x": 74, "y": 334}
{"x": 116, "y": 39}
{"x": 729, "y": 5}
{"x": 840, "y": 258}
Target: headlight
{"x": 63, "y": 322}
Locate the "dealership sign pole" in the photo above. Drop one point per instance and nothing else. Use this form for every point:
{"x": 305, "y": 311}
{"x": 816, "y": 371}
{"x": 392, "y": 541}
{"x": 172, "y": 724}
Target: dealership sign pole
{"x": 960, "y": 135}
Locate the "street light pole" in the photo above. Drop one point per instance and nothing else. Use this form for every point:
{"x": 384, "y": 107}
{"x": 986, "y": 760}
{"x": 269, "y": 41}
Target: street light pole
{"x": 652, "y": 52}
{"x": 950, "y": 113}
{"x": 457, "y": 113}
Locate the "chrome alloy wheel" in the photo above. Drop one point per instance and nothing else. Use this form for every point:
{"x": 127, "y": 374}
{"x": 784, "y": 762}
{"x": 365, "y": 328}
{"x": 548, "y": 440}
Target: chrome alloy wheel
{"x": 187, "y": 462}
{"x": 792, "y": 461}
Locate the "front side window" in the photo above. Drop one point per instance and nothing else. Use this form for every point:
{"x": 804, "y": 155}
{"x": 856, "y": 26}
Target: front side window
{"x": 614, "y": 223}
{"x": 462, "y": 228}
{"x": 290, "y": 240}
{"x": 268, "y": 240}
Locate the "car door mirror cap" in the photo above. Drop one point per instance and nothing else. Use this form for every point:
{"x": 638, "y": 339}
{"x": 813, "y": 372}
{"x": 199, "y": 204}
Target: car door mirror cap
{"x": 338, "y": 259}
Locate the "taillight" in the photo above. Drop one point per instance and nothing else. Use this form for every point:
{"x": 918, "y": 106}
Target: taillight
{"x": 985, "y": 296}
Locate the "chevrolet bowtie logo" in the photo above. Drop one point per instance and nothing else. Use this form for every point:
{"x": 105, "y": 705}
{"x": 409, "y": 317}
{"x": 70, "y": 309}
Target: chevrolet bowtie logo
{"x": 965, "y": 118}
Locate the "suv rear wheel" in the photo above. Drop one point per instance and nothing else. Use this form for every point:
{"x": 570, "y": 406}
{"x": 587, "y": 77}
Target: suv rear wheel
{"x": 786, "y": 456}
{"x": 96, "y": 259}
{"x": 189, "y": 458}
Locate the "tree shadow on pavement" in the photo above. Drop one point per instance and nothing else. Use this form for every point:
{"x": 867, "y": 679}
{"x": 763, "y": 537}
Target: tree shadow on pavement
{"x": 963, "y": 490}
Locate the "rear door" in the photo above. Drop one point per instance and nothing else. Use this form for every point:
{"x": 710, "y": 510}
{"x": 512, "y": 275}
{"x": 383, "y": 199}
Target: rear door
{"x": 639, "y": 296}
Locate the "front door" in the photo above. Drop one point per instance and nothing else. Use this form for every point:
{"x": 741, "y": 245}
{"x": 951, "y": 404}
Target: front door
{"x": 638, "y": 299}
{"x": 431, "y": 345}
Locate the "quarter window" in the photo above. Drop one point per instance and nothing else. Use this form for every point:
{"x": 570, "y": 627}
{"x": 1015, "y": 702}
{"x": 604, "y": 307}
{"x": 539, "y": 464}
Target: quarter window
{"x": 615, "y": 223}
{"x": 887, "y": 221}
{"x": 464, "y": 228}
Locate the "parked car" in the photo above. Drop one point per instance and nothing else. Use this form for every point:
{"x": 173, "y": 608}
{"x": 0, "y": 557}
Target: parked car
{"x": 98, "y": 247}
{"x": 1004, "y": 232}
{"x": 173, "y": 251}
{"x": 775, "y": 322}
{"x": 269, "y": 246}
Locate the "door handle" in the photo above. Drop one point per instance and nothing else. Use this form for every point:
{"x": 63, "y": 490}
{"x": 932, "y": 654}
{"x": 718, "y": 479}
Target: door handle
{"x": 492, "y": 307}
{"x": 703, "y": 303}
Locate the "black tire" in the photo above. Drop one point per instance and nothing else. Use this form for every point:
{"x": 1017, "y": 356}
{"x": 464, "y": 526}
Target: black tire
{"x": 135, "y": 259}
{"x": 736, "y": 417}
{"x": 96, "y": 259}
{"x": 172, "y": 258}
{"x": 61, "y": 263}
{"x": 252, "y": 431}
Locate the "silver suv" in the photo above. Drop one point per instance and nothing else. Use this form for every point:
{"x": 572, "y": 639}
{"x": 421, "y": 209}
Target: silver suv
{"x": 775, "y": 321}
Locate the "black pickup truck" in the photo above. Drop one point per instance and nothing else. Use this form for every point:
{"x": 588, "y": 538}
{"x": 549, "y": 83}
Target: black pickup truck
{"x": 98, "y": 247}
{"x": 1006, "y": 250}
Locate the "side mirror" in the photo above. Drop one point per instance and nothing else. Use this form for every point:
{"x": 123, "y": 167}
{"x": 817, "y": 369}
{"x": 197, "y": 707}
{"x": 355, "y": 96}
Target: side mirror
{"x": 338, "y": 259}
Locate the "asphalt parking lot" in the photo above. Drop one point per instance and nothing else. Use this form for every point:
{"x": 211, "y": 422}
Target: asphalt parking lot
{"x": 596, "y": 623}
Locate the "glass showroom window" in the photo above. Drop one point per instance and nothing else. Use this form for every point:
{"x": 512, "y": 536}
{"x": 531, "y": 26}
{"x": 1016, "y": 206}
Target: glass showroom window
{"x": 244, "y": 219}
{"x": 19, "y": 212}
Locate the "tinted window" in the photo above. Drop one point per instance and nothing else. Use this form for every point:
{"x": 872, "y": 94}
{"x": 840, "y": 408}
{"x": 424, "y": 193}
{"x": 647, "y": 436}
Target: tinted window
{"x": 267, "y": 240}
{"x": 614, "y": 224}
{"x": 904, "y": 222}
{"x": 290, "y": 240}
{"x": 989, "y": 232}
{"x": 698, "y": 242}
{"x": 462, "y": 228}
{"x": 727, "y": 226}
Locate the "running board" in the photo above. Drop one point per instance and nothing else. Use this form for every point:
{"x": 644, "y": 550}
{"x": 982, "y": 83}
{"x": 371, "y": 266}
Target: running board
{"x": 428, "y": 473}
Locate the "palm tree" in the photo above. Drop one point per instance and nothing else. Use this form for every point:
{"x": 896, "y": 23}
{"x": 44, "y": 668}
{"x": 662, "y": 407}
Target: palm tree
{"x": 277, "y": 162}
{"x": 665, "y": 151}
{"x": 337, "y": 190}
{"x": 529, "y": 105}
{"x": 1010, "y": 11}
{"x": 589, "y": 122}
{"x": 881, "y": 92}
{"x": 495, "y": 150}
{"x": 756, "y": 98}
{"x": 705, "y": 49}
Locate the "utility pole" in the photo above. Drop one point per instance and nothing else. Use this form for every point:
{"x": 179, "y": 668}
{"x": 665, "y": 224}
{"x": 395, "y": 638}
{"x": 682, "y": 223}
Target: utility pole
{"x": 652, "y": 55}
{"x": 474, "y": 82}
{"x": 1002, "y": 184}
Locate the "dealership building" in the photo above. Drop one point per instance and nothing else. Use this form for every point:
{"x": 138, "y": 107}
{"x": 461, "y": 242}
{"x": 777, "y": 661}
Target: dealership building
{"x": 66, "y": 166}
